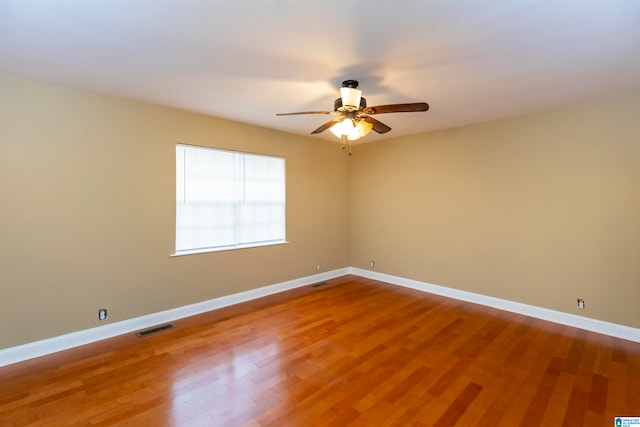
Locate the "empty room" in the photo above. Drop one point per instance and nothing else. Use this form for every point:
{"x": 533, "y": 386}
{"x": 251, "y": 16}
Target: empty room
{"x": 319, "y": 213}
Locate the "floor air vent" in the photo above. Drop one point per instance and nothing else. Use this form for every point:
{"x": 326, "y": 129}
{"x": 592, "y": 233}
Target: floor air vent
{"x": 154, "y": 330}
{"x": 317, "y": 285}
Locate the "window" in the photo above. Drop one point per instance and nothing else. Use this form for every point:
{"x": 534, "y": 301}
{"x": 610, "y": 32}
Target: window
{"x": 227, "y": 200}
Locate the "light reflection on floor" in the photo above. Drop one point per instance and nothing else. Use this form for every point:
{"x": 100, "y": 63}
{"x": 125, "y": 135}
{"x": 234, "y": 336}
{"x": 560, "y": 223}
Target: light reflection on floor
{"x": 230, "y": 378}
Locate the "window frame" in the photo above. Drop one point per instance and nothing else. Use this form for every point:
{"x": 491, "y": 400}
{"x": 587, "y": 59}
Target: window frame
{"x": 236, "y": 201}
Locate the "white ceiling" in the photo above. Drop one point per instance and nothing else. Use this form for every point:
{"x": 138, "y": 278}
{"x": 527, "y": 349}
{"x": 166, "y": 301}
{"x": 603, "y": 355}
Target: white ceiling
{"x": 245, "y": 60}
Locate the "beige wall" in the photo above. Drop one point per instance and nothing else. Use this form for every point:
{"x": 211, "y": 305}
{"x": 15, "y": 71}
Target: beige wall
{"x": 542, "y": 209}
{"x": 87, "y": 206}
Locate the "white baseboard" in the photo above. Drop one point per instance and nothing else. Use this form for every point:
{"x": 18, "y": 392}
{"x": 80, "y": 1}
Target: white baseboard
{"x": 64, "y": 342}
{"x": 593, "y": 325}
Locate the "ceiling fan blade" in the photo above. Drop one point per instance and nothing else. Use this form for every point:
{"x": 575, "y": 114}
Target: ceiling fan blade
{"x": 328, "y": 125}
{"x": 378, "y": 126}
{"x": 305, "y": 112}
{"x": 397, "y": 108}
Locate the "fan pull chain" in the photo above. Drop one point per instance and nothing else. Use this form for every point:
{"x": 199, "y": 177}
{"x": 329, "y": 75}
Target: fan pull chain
{"x": 344, "y": 143}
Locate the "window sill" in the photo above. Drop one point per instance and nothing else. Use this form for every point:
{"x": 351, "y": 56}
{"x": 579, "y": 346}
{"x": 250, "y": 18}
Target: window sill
{"x": 226, "y": 248}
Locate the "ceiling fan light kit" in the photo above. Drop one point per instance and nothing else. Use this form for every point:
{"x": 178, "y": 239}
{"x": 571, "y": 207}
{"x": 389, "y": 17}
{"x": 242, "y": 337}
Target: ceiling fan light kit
{"x": 351, "y": 129}
{"x": 354, "y": 119}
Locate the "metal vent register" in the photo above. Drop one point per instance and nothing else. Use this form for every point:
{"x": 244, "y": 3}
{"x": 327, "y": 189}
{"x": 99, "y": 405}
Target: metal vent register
{"x": 154, "y": 330}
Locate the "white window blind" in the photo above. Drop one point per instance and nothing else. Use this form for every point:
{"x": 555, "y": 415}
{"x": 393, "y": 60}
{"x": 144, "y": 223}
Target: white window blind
{"x": 227, "y": 199}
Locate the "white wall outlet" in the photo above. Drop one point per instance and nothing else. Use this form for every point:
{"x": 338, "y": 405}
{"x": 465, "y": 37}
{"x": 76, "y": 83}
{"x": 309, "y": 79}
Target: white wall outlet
{"x": 373, "y": 264}
{"x": 581, "y": 304}
{"x": 318, "y": 267}
{"x": 102, "y": 314}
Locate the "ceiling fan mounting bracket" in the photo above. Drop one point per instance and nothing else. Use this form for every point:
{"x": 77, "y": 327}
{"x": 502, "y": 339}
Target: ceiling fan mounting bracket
{"x": 353, "y": 84}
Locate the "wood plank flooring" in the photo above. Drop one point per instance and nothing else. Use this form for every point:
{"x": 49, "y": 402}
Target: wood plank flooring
{"x": 355, "y": 352}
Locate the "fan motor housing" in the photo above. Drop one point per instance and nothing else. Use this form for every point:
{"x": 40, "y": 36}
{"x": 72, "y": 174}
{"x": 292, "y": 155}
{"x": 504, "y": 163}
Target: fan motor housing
{"x": 337, "y": 104}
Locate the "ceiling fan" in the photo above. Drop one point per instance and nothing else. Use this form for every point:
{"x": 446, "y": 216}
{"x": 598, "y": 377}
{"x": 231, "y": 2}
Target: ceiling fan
{"x": 354, "y": 119}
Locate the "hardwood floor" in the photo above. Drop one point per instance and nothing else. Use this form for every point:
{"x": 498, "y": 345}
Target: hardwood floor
{"x": 353, "y": 352}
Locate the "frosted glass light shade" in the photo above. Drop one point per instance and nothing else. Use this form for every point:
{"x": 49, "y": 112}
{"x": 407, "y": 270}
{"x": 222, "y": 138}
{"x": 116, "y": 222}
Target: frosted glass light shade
{"x": 363, "y": 128}
{"x": 339, "y": 128}
{"x": 347, "y": 128}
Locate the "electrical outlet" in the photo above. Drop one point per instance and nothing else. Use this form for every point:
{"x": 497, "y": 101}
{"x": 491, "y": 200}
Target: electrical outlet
{"x": 373, "y": 264}
{"x": 102, "y": 314}
{"x": 318, "y": 267}
{"x": 581, "y": 304}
